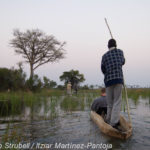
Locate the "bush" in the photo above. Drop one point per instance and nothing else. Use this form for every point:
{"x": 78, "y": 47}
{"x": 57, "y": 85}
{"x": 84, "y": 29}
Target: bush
{"x": 34, "y": 84}
{"x": 12, "y": 79}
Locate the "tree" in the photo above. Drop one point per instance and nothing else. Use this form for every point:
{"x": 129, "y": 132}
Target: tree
{"x": 91, "y": 86}
{"x": 61, "y": 87}
{"x": 49, "y": 83}
{"x": 19, "y": 77}
{"x": 34, "y": 84}
{"x": 37, "y": 48}
{"x": 85, "y": 87}
{"x": 13, "y": 79}
{"x": 72, "y": 76}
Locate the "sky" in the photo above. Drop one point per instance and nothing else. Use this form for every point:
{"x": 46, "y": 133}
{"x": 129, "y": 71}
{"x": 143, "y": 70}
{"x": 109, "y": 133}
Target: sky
{"x": 80, "y": 23}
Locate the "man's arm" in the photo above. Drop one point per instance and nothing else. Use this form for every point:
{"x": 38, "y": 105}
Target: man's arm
{"x": 103, "y": 66}
{"x": 123, "y": 59}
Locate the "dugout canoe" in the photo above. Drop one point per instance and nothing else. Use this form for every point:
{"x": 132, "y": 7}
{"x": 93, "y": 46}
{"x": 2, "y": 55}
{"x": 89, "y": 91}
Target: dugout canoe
{"x": 109, "y": 130}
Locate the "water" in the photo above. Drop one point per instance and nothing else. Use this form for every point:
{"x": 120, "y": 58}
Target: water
{"x": 71, "y": 125}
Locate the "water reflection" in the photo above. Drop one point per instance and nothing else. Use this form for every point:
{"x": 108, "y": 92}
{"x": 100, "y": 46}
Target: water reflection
{"x": 7, "y": 108}
{"x": 66, "y": 120}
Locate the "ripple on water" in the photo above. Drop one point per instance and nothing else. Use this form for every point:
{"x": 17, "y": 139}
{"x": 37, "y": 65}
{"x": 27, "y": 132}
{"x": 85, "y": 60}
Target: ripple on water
{"x": 76, "y": 127}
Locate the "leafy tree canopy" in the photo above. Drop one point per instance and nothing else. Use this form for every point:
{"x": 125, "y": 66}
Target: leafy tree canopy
{"x": 72, "y": 76}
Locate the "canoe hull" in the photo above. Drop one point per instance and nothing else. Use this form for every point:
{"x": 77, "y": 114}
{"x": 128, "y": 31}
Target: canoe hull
{"x": 109, "y": 130}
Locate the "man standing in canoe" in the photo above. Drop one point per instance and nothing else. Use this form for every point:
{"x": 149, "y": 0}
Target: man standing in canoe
{"x": 111, "y": 67}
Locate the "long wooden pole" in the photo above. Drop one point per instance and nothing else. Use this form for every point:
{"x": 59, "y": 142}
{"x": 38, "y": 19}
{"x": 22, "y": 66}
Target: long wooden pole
{"x": 108, "y": 28}
{"x": 126, "y": 95}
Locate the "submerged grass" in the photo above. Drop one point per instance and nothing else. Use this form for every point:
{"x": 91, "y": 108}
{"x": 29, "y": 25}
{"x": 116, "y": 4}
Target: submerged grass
{"x": 51, "y": 102}
{"x": 13, "y": 103}
{"x": 136, "y": 94}
{"x": 70, "y": 103}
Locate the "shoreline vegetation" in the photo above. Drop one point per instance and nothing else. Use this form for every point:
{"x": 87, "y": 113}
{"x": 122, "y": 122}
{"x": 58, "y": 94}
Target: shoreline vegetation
{"x": 29, "y": 95}
{"x": 21, "y": 106}
{"x": 14, "y": 102}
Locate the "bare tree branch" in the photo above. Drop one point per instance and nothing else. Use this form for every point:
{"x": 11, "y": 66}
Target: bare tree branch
{"x": 37, "y": 48}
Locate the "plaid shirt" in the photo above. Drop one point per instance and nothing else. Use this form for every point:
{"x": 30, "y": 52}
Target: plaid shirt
{"x": 111, "y": 66}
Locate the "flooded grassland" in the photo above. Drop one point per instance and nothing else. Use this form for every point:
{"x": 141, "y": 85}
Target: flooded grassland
{"x": 56, "y": 118}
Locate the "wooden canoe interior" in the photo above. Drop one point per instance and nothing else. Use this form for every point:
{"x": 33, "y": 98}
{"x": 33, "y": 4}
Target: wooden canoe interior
{"x": 109, "y": 130}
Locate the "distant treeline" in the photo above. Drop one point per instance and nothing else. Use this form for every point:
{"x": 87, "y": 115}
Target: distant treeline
{"x": 16, "y": 79}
